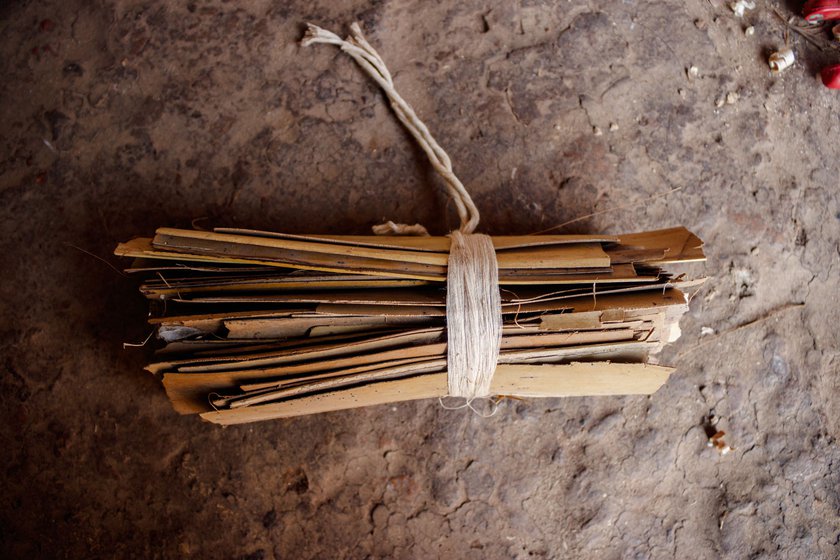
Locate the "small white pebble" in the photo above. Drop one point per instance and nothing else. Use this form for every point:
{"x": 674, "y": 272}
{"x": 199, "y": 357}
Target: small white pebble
{"x": 613, "y": 127}
{"x": 781, "y": 60}
{"x": 741, "y": 6}
{"x": 720, "y": 101}
{"x": 597, "y": 131}
{"x": 732, "y": 98}
{"x": 749, "y": 31}
{"x": 693, "y": 71}
{"x": 706, "y": 331}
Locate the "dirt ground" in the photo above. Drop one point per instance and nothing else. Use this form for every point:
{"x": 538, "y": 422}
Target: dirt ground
{"x": 118, "y": 116}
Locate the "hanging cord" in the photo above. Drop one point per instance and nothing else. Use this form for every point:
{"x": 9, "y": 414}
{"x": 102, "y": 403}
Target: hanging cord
{"x": 369, "y": 60}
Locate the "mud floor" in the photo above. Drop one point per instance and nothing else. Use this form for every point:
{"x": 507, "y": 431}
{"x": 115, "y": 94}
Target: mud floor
{"x": 120, "y": 116}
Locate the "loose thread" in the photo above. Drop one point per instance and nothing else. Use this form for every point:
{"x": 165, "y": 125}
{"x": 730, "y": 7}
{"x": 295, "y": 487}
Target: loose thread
{"x": 468, "y": 403}
{"x": 177, "y": 291}
{"x": 141, "y": 345}
{"x": 97, "y": 257}
{"x": 606, "y": 211}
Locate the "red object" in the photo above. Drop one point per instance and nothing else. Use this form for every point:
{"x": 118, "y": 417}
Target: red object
{"x": 831, "y": 76}
{"x": 816, "y": 11}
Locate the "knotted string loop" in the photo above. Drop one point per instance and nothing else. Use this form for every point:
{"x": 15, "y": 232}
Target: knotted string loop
{"x": 369, "y": 60}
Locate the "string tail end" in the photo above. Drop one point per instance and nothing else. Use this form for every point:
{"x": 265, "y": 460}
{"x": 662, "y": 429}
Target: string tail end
{"x": 315, "y": 35}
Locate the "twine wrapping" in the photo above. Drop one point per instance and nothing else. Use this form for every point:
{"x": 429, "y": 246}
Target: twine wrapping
{"x": 473, "y": 302}
{"x": 473, "y": 315}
